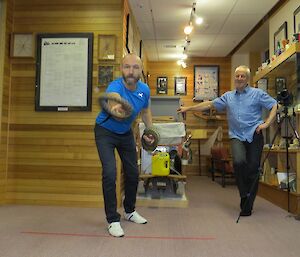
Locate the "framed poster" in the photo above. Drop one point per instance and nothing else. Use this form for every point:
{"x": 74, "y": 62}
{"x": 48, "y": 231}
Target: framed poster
{"x": 64, "y": 72}
{"x": 180, "y": 85}
{"x": 162, "y": 85}
{"x": 280, "y": 35}
{"x": 105, "y": 75}
{"x": 206, "y": 82}
{"x": 107, "y": 47}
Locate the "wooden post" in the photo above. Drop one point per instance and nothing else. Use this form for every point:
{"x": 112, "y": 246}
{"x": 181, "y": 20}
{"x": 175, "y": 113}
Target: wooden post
{"x": 199, "y": 134}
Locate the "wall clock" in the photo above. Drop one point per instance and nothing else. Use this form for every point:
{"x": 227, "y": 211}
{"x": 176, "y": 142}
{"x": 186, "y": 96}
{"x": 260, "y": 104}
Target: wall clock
{"x": 22, "y": 45}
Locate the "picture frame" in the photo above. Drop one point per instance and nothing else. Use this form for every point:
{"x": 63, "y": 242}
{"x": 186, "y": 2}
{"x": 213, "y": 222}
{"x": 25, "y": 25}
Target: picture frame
{"x": 297, "y": 20}
{"x": 280, "y": 35}
{"x": 64, "y": 72}
{"x": 107, "y": 47}
{"x": 162, "y": 85}
{"x": 180, "y": 85}
{"x": 105, "y": 75}
{"x": 206, "y": 82}
{"x": 280, "y": 84}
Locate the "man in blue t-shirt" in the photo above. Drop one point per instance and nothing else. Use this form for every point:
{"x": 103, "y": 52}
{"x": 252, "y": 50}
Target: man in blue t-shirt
{"x": 112, "y": 133}
{"x": 244, "y": 114}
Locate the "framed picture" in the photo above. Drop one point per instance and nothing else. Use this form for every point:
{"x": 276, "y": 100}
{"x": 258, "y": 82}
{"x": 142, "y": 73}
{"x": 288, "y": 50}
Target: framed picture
{"x": 206, "y": 82}
{"x": 107, "y": 47}
{"x": 129, "y": 34}
{"x": 280, "y": 84}
{"x": 263, "y": 84}
{"x": 162, "y": 85}
{"x": 105, "y": 75}
{"x": 280, "y": 35}
{"x": 180, "y": 85}
{"x": 297, "y": 20}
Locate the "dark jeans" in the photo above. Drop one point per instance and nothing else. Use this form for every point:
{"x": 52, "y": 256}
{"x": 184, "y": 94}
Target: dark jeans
{"x": 246, "y": 161}
{"x": 107, "y": 142}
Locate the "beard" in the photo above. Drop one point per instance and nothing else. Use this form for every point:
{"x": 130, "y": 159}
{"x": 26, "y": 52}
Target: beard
{"x": 131, "y": 80}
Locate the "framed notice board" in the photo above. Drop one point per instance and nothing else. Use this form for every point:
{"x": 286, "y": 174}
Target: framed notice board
{"x": 64, "y": 72}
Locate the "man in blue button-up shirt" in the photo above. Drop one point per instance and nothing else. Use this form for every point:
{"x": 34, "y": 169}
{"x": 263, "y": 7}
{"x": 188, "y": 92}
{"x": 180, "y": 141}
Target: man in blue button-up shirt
{"x": 244, "y": 107}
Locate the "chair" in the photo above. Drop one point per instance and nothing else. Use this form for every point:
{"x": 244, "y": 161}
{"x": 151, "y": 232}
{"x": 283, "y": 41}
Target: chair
{"x": 221, "y": 163}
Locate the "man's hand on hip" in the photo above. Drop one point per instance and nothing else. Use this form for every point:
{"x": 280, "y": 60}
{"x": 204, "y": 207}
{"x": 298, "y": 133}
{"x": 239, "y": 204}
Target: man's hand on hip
{"x": 261, "y": 127}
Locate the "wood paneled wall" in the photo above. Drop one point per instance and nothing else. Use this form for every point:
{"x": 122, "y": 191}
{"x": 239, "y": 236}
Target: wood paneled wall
{"x": 52, "y": 157}
{"x": 136, "y": 35}
{"x": 171, "y": 70}
{"x": 6, "y": 28}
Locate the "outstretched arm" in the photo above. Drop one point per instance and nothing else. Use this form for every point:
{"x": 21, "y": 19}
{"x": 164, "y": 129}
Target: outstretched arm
{"x": 198, "y": 107}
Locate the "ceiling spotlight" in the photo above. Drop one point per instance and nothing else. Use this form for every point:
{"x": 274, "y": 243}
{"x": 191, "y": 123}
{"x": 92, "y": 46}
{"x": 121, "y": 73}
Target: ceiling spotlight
{"x": 199, "y": 20}
{"x": 183, "y": 65}
{"x": 179, "y": 62}
{"x": 187, "y": 40}
{"x": 188, "y": 29}
{"x": 184, "y": 56}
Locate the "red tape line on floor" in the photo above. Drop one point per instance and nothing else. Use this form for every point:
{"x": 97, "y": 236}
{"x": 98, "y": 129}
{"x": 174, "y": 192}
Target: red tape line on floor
{"x": 108, "y": 236}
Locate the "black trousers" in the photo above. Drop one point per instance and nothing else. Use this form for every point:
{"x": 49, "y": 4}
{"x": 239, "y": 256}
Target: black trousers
{"x": 246, "y": 161}
{"x": 107, "y": 142}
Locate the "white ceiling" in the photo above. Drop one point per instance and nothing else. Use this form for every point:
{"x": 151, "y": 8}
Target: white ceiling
{"x": 226, "y": 23}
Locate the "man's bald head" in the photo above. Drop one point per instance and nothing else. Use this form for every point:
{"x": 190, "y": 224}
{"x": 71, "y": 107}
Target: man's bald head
{"x": 132, "y": 58}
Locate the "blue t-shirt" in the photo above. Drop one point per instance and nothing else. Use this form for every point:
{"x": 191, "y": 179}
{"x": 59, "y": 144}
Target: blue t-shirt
{"x": 139, "y": 99}
{"x": 244, "y": 111}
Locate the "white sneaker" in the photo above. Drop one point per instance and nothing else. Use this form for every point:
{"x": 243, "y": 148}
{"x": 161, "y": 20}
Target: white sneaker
{"x": 135, "y": 217}
{"x": 115, "y": 229}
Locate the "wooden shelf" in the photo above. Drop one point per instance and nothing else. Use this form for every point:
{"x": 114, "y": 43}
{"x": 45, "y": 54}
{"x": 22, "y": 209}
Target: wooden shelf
{"x": 279, "y": 197}
{"x": 147, "y": 176}
{"x": 276, "y": 161}
{"x": 294, "y": 48}
{"x": 281, "y": 150}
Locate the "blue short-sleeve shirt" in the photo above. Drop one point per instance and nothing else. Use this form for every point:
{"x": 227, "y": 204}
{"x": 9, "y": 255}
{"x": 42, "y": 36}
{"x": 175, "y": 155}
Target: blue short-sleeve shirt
{"x": 139, "y": 99}
{"x": 244, "y": 111}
